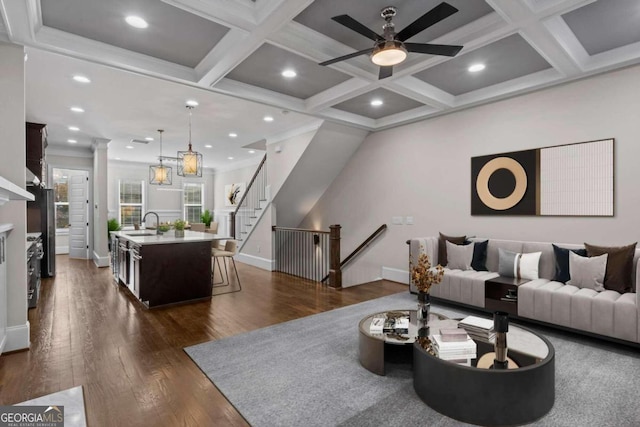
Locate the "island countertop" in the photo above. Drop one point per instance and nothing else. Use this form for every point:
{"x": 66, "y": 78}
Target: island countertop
{"x": 149, "y": 237}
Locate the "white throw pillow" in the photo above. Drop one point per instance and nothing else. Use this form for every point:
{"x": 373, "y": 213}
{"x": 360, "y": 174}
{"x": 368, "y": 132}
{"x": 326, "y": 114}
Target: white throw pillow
{"x": 459, "y": 256}
{"x": 520, "y": 266}
{"x": 587, "y": 272}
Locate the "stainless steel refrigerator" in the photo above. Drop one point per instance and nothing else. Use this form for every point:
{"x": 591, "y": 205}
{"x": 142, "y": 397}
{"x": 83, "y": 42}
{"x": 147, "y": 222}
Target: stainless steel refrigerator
{"x": 41, "y": 218}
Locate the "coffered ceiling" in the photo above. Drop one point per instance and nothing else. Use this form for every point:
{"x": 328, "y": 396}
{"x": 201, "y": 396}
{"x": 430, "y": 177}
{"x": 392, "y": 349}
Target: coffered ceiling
{"x": 239, "y": 48}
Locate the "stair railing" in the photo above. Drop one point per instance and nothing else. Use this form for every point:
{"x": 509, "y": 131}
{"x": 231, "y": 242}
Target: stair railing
{"x": 243, "y": 218}
{"x": 358, "y": 250}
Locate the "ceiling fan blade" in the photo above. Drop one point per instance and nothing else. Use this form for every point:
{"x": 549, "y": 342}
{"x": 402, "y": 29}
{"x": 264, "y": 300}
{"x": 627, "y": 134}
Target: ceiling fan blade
{"x": 433, "y": 49}
{"x": 342, "y": 58}
{"x": 385, "y": 72}
{"x": 435, "y": 15}
{"x": 354, "y": 25}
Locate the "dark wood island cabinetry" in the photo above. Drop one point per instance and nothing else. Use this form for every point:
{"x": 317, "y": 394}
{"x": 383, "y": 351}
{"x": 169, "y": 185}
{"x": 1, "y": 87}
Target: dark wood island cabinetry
{"x": 163, "y": 270}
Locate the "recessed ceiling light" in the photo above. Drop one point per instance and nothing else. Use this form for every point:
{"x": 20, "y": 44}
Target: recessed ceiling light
{"x": 74, "y": 128}
{"x": 268, "y": 119}
{"x": 117, "y": 158}
{"x": 81, "y": 79}
{"x": 148, "y": 138}
{"x": 130, "y": 147}
{"x": 233, "y": 135}
{"x": 476, "y": 67}
{"x": 192, "y": 103}
{"x": 252, "y": 151}
{"x": 289, "y": 73}
{"x": 136, "y": 22}
{"x": 376, "y": 102}
{"x": 208, "y": 146}
{"x": 77, "y": 110}
{"x": 72, "y": 141}
{"x": 230, "y": 158}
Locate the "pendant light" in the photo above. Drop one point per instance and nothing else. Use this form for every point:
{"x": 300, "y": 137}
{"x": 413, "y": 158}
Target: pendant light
{"x": 189, "y": 162}
{"x": 160, "y": 174}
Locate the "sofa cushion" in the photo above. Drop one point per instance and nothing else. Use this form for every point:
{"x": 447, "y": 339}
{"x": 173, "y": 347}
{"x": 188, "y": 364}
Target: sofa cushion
{"x": 562, "y": 262}
{"x": 459, "y": 256}
{"x": 442, "y": 247}
{"x": 493, "y": 251}
{"x": 587, "y": 272}
{"x": 619, "y": 265}
{"x": 479, "y": 261}
{"x": 518, "y": 265}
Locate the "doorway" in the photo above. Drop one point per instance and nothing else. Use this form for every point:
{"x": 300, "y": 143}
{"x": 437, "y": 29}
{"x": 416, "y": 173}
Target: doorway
{"x": 71, "y": 193}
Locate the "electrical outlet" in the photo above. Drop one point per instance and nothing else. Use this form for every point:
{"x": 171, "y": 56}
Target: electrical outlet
{"x": 396, "y": 220}
{"x": 408, "y": 220}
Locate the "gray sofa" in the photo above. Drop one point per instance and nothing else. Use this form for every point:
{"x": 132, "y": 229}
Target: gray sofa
{"x": 608, "y": 313}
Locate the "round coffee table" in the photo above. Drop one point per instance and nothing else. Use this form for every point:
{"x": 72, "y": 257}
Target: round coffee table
{"x": 372, "y": 346}
{"x": 490, "y": 396}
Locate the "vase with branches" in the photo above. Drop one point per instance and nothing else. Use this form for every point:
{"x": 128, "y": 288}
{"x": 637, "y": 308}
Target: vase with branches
{"x": 424, "y": 277}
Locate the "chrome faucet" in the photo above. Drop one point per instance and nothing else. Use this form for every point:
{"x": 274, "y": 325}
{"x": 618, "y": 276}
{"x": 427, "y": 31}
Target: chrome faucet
{"x": 158, "y": 232}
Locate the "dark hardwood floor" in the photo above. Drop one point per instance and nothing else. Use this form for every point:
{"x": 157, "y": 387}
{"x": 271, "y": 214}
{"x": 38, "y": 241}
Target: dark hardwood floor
{"x": 87, "y": 331}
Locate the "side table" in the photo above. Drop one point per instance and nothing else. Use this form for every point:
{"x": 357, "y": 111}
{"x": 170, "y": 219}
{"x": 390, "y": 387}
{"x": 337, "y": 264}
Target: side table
{"x": 501, "y": 294}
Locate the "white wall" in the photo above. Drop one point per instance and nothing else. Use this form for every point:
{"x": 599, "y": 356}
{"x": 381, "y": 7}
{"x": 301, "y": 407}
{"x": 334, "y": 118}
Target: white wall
{"x": 168, "y": 204}
{"x": 12, "y": 167}
{"x": 423, "y": 170}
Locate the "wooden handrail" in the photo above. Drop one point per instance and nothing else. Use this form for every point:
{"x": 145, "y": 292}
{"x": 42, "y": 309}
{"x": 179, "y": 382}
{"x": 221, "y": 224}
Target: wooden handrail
{"x": 244, "y": 196}
{"x": 360, "y": 248}
{"x": 275, "y": 227}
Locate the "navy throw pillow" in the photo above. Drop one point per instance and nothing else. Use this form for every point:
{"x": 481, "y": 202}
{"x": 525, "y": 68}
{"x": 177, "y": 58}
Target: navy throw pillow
{"x": 562, "y": 262}
{"x": 479, "y": 261}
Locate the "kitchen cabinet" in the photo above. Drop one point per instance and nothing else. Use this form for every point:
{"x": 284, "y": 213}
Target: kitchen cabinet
{"x": 163, "y": 270}
{"x": 36, "y": 145}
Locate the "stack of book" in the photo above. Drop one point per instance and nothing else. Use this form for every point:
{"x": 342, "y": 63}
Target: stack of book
{"x": 381, "y": 324}
{"x": 458, "y": 348}
{"x": 396, "y": 325}
{"x": 478, "y": 328}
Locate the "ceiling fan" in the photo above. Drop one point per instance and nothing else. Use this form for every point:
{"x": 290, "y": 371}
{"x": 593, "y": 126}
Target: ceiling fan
{"x": 391, "y": 49}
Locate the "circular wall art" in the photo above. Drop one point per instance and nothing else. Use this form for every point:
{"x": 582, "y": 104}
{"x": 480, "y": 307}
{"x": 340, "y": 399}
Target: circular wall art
{"x": 482, "y": 183}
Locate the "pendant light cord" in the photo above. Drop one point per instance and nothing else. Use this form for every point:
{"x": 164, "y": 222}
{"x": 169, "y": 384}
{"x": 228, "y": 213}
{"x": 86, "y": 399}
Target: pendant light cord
{"x": 190, "y": 108}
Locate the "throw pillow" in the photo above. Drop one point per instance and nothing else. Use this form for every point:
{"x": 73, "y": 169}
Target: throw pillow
{"x": 459, "y": 256}
{"x": 520, "y": 266}
{"x": 479, "y": 261}
{"x": 562, "y": 262}
{"x": 619, "y": 265}
{"x": 587, "y": 272}
{"x": 442, "y": 247}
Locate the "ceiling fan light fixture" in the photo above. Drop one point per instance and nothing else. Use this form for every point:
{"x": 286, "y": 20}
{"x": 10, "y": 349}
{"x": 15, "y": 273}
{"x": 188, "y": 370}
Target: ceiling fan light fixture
{"x": 389, "y": 53}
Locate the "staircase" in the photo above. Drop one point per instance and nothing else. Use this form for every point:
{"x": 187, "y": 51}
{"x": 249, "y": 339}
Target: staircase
{"x": 252, "y": 205}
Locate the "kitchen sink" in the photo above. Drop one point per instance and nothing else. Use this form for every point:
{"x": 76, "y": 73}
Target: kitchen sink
{"x": 140, "y": 233}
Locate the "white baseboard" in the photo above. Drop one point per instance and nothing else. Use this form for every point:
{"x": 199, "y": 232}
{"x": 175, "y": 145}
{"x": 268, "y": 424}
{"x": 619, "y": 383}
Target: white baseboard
{"x": 395, "y": 274}
{"x": 100, "y": 261}
{"x": 263, "y": 263}
{"x": 17, "y": 338}
{"x": 62, "y": 250}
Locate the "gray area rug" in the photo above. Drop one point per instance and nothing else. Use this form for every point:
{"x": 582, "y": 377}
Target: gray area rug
{"x": 306, "y": 372}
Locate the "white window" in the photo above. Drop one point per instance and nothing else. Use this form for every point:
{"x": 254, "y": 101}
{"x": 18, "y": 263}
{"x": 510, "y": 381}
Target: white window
{"x": 193, "y": 202}
{"x": 61, "y": 196}
{"x": 130, "y": 202}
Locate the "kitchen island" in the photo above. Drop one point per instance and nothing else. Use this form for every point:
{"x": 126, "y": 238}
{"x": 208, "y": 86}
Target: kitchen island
{"x": 163, "y": 269}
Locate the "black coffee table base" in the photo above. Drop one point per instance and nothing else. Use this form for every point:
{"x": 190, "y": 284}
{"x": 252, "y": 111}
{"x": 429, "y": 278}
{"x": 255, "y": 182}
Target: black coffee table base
{"x": 485, "y": 396}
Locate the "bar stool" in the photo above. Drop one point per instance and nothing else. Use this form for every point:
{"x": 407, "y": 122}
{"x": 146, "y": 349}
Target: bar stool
{"x": 230, "y": 249}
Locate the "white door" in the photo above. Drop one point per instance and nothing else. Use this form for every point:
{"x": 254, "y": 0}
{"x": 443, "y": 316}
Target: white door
{"x": 78, "y": 222}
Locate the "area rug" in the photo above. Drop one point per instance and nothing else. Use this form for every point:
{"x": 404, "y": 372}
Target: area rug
{"x": 73, "y": 401}
{"x": 306, "y": 372}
